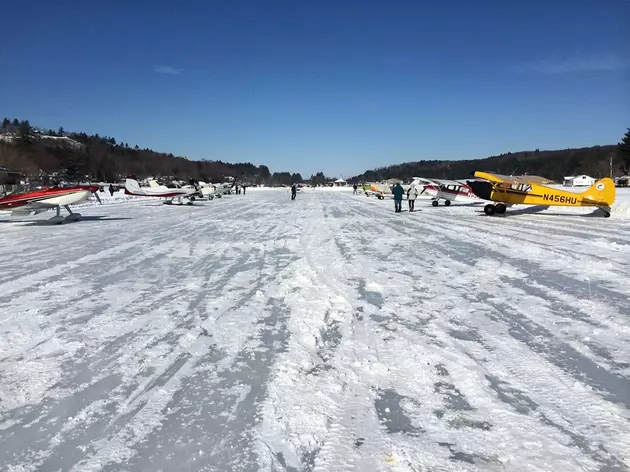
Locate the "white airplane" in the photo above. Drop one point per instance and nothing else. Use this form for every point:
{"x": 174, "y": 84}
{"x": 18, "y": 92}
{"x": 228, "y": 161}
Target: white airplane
{"x": 224, "y": 188}
{"x": 132, "y": 187}
{"x": 447, "y": 190}
{"x": 208, "y": 191}
{"x": 26, "y": 200}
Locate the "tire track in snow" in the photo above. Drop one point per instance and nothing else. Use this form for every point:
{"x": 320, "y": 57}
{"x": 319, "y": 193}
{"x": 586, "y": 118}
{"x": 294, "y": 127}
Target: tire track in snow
{"x": 356, "y": 439}
{"x": 590, "y": 312}
{"x": 151, "y": 342}
{"x": 478, "y": 234}
{"x": 247, "y": 373}
{"x": 397, "y": 358}
{"x": 498, "y": 286}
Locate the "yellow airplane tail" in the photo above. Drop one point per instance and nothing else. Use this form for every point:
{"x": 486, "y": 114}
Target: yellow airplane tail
{"x": 603, "y": 191}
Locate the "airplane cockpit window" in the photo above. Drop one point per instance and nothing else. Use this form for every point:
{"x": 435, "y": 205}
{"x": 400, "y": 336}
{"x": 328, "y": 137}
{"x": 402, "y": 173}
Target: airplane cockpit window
{"x": 20, "y": 189}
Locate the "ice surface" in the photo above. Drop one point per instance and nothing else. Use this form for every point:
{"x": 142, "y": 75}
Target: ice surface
{"x": 327, "y": 333}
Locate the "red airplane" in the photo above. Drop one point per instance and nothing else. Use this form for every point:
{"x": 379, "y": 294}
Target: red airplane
{"x": 25, "y": 200}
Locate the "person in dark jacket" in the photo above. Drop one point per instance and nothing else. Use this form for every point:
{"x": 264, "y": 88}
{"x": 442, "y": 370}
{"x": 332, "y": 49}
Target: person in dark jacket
{"x": 293, "y": 191}
{"x": 398, "y": 192}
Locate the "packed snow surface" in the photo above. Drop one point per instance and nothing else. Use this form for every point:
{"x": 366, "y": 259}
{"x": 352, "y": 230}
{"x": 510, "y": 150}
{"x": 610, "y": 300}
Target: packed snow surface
{"x": 256, "y": 333}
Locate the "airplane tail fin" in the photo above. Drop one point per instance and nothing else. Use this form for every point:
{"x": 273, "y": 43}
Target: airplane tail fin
{"x": 132, "y": 187}
{"x": 603, "y": 191}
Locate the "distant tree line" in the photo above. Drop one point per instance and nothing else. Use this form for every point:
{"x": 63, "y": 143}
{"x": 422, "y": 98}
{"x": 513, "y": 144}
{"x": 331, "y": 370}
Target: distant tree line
{"x": 36, "y": 152}
{"x": 101, "y": 158}
{"x": 623, "y": 152}
{"x": 593, "y": 161}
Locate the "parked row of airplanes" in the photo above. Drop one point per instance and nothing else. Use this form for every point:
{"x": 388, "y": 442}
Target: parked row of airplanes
{"x": 26, "y": 200}
{"x": 507, "y": 190}
{"x": 501, "y": 190}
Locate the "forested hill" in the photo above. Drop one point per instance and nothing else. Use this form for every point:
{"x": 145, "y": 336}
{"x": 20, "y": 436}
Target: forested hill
{"x": 593, "y": 161}
{"x": 77, "y": 156}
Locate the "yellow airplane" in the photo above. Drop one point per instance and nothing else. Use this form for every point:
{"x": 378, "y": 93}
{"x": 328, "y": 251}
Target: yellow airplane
{"x": 530, "y": 190}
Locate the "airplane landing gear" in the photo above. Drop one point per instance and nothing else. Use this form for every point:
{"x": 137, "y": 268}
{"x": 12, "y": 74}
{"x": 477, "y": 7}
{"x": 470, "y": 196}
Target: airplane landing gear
{"x": 435, "y": 203}
{"x": 498, "y": 209}
{"x": 447, "y": 202}
{"x": 58, "y": 219}
{"x": 72, "y": 216}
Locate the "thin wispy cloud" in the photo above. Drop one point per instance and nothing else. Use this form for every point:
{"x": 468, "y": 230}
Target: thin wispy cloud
{"x": 555, "y": 65}
{"x": 168, "y": 70}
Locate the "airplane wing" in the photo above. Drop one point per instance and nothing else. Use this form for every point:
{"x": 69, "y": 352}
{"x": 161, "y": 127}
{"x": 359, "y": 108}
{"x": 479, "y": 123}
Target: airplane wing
{"x": 448, "y": 182}
{"x": 498, "y": 178}
{"x": 27, "y": 209}
{"x": 514, "y": 179}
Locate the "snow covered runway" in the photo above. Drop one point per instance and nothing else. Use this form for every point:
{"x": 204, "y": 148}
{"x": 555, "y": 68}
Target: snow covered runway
{"x": 324, "y": 334}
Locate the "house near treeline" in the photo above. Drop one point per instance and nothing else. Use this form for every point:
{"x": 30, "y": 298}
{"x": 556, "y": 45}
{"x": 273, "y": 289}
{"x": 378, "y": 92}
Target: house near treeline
{"x": 578, "y": 181}
{"x": 9, "y": 180}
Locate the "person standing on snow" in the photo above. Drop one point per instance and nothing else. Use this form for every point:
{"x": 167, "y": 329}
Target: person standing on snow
{"x": 293, "y": 191}
{"x": 398, "y": 192}
{"x": 412, "y": 194}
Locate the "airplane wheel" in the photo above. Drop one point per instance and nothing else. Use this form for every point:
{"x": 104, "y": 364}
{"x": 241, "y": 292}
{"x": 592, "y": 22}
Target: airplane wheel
{"x": 434, "y": 203}
{"x": 489, "y": 210}
{"x": 500, "y": 209}
{"x": 447, "y": 202}
{"x": 606, "y": 214}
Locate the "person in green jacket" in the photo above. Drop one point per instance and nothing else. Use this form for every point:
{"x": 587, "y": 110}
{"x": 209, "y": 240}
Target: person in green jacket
{"x": 398, "y": 192}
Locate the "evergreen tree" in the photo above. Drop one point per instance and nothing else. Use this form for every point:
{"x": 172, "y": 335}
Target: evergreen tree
{"x": 623, "y": 151}
{"x": 16, "y": 123}
{"x": 60, "y": 131}
{"x": 25, "y": 131}
{"x": 5, "y": 123}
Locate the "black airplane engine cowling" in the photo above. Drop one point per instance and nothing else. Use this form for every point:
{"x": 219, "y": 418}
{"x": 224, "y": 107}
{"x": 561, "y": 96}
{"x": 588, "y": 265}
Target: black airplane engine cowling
{"x": 481, "y": 189}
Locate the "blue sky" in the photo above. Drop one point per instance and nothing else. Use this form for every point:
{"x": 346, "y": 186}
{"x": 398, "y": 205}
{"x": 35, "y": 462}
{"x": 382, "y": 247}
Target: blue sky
{"x": 337, "y": 86}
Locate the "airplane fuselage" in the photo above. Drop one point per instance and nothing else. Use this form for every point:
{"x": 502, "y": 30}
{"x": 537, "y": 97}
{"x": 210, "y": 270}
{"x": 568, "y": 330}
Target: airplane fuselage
{"x": 451, "y": 192}
{"x": 530, "y": 194}
{"x": 51, "y": 197}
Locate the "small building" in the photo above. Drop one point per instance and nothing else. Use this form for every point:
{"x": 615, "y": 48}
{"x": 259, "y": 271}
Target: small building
{"x": 623, "y": 181}
{"x": 578, "y": 181}
{"x": 9, "y": 180}
{"x": 340, "y": 183}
